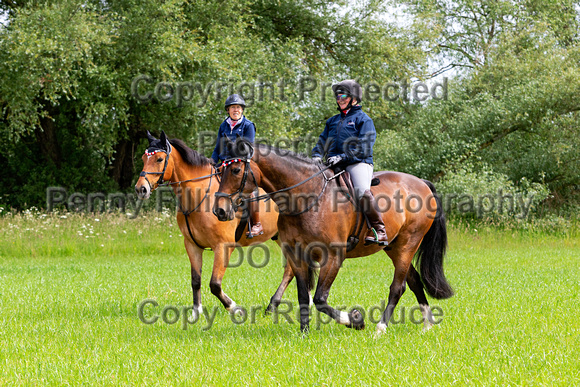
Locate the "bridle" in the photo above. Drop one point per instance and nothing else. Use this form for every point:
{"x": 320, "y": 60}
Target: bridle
{"x": 162, "y": 173}
{"x": 239, "y": 202}
{"x": 160, "y": 182}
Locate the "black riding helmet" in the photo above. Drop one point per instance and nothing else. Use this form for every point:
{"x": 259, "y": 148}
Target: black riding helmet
{"x": 235, "y": 99}
{"x": 349, "y": 87}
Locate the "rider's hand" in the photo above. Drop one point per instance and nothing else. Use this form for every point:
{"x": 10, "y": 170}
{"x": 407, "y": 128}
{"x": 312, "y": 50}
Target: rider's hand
{"x": 317, "y": 159}
{"x": 334, "y": 160}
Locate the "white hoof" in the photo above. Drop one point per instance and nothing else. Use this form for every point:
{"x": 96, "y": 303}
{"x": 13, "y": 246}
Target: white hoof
{"x": 232, "y": 307}
{"x": 196, "y": 312}
{"x": 381, "y": 329}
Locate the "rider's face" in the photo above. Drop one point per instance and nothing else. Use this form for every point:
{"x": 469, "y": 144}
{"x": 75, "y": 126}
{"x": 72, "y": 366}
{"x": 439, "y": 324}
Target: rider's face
{"x": 235, "y": 112}
{"x": 343, "y": 103}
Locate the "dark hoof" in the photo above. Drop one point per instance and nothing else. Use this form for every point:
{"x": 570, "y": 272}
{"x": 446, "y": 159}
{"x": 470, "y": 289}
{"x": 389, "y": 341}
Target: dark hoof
{"x": 269, "y": 309}
{"x": 357, "y": 320}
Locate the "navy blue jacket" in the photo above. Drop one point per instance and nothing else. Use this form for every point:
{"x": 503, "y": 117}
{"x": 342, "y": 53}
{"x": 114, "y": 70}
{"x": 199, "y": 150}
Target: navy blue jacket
{"x": 351, "y": 136}
{"x": 244, "y": 128}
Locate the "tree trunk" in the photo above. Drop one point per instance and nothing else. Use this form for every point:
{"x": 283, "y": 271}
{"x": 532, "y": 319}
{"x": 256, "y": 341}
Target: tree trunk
{"x": 123, "y": 169}
{"x": 48, "y": 141}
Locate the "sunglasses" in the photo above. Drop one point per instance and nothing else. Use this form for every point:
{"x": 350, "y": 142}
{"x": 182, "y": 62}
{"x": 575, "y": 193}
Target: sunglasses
{"x": 341, "y": 97}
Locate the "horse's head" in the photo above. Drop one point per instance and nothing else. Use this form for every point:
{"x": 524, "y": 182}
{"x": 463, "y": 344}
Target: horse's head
{"x": 157, "y": 166}
{"x": 237, "y": 180}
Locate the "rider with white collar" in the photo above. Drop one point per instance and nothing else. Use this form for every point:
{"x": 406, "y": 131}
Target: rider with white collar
{"x": 234, "y": 126}
{"x": 347, "y": 141}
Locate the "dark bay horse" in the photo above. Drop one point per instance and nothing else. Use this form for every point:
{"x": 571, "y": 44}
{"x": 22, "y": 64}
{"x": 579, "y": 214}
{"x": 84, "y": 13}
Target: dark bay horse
{"x": 194, "y": 181}
{"x": 309, "y": 233}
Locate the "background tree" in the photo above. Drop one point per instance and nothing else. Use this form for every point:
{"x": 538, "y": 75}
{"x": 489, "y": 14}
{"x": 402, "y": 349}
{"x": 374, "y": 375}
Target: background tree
{"x": 511, "y": 109}
{"x": 69, "y": 116}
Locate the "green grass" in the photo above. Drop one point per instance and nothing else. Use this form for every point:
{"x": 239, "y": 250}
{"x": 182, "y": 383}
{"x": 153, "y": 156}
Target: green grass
{"x": 69, "y": 312}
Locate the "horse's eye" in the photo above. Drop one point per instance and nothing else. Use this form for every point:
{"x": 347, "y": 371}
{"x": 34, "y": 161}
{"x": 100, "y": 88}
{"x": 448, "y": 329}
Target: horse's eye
{"x": 235, "y": 171}
{"x": 159, "y": 160}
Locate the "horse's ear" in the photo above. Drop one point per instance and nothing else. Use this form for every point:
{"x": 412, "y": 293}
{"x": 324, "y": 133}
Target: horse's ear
{"x": 150, "y": 137}
{"x": 163, "y": 137}
{"x": 244, "y": 148}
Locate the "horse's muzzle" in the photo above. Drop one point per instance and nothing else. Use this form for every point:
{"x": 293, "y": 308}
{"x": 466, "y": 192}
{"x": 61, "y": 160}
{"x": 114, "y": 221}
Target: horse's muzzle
{"x": 221, "y": 214}
{"x": 142, "y": 191}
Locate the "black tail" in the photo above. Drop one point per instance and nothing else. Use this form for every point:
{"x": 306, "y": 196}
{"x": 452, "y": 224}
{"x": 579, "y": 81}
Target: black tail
{"x": 431, "y": 253}
{"x": 312, "y": 277}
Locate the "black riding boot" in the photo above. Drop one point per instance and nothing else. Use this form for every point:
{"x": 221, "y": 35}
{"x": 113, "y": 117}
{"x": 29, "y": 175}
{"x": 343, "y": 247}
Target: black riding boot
{"x": 377, "y": 233}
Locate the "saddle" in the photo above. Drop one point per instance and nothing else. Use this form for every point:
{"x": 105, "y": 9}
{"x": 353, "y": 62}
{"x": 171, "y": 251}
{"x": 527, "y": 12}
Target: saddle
{"x": 344, "y": 182}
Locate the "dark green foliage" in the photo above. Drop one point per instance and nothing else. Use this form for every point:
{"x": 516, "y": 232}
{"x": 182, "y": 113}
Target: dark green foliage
{"x": 68, "y": 117}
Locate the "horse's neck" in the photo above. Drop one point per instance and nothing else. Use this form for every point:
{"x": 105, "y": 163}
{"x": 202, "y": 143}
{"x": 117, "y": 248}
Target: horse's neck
{"x": 190, "y": 192}
{"x": 188, "y": 172}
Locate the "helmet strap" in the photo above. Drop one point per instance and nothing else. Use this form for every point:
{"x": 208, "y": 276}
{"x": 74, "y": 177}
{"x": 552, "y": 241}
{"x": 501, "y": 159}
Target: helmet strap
{"x": 347, "y": 108}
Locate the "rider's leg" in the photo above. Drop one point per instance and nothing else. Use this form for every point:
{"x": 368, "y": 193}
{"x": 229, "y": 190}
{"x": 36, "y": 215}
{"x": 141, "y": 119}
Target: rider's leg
{"x": 361, "y": 175}
{"x": 257, "y": 228}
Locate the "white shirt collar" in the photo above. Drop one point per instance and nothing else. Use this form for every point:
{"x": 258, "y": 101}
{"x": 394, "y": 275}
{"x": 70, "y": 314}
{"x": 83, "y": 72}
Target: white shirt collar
{"x": 229, "y": 121}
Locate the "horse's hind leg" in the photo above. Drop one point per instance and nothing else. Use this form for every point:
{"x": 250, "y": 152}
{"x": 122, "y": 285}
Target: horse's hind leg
{"x": 401, "y": 257}
{"x": 196, "y": 259}
{"x": 416, "y": 286}
{"x": 328, "y": 272}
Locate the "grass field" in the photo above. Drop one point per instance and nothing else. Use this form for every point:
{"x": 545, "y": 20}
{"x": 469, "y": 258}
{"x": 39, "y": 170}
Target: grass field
{"x": 70, "y": 287}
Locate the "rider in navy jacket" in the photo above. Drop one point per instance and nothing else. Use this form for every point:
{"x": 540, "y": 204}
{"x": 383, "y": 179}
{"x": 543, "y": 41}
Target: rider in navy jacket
{"x": 347, "y": 142}
{"x": 352, "y": 137}
{"x": 243, "y": 128}
{"x": 237, "y": 125}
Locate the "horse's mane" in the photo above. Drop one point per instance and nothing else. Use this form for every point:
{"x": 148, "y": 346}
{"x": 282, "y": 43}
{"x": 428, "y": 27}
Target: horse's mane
{"x": 190, "y": 156}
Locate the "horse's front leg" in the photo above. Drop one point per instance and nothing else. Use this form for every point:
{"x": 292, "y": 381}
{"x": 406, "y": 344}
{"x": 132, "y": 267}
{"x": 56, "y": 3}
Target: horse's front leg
{"x": 277, "y": 297}
{"x": 221, "y": 260}
{"x": 295, "y": 259}
{"x": 328, "y": 272}
{"x": 196, "y": 260}
{"x": 286, "y": 279}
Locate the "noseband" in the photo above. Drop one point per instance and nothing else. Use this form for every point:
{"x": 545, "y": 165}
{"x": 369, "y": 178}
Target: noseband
{"x": 162, "y": 173}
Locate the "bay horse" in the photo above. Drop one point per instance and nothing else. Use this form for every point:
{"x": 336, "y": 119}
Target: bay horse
{"x": 194, "y": 181}
{"x": 315, "y": 221}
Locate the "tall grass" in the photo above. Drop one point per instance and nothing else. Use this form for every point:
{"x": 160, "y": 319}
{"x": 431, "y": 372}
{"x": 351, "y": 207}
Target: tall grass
{"x": 70, "y": 286}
